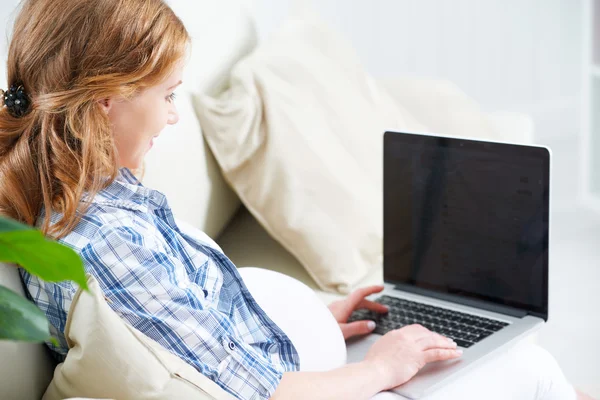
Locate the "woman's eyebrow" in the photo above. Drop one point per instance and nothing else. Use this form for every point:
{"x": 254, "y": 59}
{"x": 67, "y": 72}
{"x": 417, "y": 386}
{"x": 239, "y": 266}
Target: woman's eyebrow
{"x": 177, "y": 84}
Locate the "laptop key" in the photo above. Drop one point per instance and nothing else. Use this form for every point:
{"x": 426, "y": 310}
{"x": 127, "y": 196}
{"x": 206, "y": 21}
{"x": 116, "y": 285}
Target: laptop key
{"x": 463, "y": 343}
{"x": 483, "y": 335}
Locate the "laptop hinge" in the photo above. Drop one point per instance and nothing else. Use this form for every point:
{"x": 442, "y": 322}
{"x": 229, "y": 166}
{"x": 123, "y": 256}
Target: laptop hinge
{"x": 501, "y": 309}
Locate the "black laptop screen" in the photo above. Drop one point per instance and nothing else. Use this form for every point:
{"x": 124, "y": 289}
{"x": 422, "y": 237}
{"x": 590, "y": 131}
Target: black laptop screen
{"x": 468, "y": 218}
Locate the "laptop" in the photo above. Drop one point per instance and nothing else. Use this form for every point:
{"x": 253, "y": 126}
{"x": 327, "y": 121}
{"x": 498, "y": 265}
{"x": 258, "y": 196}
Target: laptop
{"x": 465, "y": 248}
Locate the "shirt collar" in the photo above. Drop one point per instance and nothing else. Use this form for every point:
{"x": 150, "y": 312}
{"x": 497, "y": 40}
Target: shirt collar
{"x": 126, "y": 176}
{"x": 126, "y": 191}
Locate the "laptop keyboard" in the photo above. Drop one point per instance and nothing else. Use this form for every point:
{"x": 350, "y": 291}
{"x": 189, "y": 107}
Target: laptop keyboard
{"x": 464, "y": 329}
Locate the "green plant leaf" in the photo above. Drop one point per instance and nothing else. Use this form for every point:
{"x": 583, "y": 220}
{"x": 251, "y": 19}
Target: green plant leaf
{"x": 20, "y": 319}
{"x": 9, "y": 225}
{"x": 51, "y": 261}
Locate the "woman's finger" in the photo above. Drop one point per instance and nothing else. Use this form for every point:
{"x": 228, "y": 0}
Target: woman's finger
{"x": 440, "y": 354}
{"x": 357, "y": 328}
{"x": 361, "y": 293}
{"x": 373, "y": 306}
{"x": 435, "y": 342}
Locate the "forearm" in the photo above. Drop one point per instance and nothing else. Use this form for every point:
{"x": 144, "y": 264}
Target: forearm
{"x": 356, "y": 381}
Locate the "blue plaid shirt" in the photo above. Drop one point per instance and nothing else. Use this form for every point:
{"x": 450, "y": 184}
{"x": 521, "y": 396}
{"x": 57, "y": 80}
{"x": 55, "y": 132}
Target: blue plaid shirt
{"x": 176, "y": 288}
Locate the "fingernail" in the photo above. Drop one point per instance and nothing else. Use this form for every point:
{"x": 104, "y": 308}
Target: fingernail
{"x": 371, "y": 325}
{"x": 459, "y": 351}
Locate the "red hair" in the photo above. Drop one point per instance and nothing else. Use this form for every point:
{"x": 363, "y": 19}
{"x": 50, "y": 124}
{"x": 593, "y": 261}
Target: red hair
{"x": 69, "y": 54}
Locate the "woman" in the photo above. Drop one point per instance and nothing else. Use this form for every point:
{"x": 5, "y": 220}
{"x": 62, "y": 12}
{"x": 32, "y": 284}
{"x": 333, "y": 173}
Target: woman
{"x": 91, "y": 84}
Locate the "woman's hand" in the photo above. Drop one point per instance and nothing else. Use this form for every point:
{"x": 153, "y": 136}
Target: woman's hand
{"x": 400, "y": 354}
{"x": 342, "y": 309}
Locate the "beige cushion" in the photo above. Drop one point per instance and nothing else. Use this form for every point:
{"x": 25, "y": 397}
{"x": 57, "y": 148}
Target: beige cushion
{"x": 245, "y": 240}
{"x": 247, "y": 243}
{"x": 110, "y": 359}
{"x": 298, "y": 135}
{"x": 442, "y": 107}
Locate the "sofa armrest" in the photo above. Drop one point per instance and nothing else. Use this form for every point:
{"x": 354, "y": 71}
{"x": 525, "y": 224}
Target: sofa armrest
{"x": 442, "y": 107}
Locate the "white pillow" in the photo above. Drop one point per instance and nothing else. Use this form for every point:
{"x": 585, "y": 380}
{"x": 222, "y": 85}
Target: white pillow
{"x": 298, "y": 135}
{"x": 108, "y": 358}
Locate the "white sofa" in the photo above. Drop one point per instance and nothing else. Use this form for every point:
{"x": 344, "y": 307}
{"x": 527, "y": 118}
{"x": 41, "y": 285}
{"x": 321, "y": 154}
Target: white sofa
{"x": 182, "y": 166}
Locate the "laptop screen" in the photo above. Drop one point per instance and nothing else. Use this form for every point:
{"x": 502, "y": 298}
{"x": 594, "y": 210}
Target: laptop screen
{"x": 467, "y": 218}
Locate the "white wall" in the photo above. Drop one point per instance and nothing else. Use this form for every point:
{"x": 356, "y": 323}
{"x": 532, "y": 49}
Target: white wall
{"x": 520, "y": 55}
{"x": 7, "y": 15}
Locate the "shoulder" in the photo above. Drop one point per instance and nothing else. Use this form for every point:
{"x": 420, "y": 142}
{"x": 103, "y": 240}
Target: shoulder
{"x": 102, "y": 221}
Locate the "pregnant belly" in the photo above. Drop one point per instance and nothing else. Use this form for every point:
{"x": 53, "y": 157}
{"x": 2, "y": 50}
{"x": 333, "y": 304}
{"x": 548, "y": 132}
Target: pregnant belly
{"x": 299, "y": 312}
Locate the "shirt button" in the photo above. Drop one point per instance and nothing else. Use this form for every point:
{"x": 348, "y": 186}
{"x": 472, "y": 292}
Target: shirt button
{"x": 229, "y": 345}
{"x": 222, "y": 367}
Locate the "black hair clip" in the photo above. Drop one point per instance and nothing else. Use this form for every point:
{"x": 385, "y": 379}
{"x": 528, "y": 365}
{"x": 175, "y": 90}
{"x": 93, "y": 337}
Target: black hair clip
{"x": 16, "y": 100}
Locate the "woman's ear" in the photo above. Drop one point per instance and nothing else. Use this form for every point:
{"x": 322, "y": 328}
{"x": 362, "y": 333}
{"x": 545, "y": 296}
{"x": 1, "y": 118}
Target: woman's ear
{"x": 106, "y": 104}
